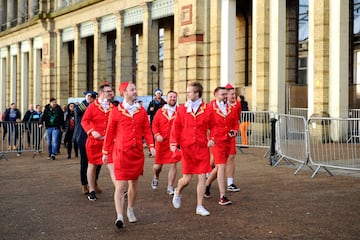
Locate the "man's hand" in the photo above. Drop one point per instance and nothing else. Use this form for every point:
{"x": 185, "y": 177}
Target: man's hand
{"x": 211, "y": 143}
{"x": 95, "y": 134}
{"x": 232, "y": 133}
{"x": 159, "y": 138}
{"x": 104, "y": 158}
{"x": 153, "y": 152}
{"x": 172, "y": 148}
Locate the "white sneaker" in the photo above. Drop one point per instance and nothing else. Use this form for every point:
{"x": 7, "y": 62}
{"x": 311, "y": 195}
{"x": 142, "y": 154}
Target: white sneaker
{"x": 119, "y": 222}
{"x": 176, "y": 200}
{"x": 170, "y": 190}
{"x": 131, "y": 215}
{"x": 200, "y": 210}
{"x": 154, "y": 183}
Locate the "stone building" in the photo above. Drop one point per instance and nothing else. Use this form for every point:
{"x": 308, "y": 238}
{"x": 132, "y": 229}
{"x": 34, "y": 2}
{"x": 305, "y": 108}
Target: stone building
{"x": 60, "y": 48}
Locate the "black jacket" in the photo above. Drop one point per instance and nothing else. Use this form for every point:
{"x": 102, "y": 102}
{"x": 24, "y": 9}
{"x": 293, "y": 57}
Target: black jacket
{"x": 53, "y": 117}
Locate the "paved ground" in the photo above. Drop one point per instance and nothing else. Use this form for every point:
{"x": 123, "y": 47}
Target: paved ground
{"x": 41, "y": 199}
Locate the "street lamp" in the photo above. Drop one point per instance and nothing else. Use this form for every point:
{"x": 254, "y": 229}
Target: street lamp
{"x": 153, "y": 69}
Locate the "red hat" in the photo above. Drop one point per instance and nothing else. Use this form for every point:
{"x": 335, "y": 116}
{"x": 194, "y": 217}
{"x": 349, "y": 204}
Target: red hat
{"x": 122, "y": 87}
{"x": 229, "y": 86}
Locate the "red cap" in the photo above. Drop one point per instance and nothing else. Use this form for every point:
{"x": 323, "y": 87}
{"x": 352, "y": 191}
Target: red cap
{"x": 122, "y": 87}
{"x": 229, "y": 86}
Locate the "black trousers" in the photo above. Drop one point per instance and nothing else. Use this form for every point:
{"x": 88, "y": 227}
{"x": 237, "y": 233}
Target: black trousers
{"x": 84, "y": 165}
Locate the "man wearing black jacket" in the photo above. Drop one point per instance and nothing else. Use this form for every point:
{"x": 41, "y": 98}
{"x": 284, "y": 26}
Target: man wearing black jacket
{"x": 53, "y": 118}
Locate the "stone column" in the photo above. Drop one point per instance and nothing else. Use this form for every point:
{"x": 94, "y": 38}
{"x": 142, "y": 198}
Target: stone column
{"x": 10, "y": 14}
{"x": 14, "y": 70}
{"x": 2, "y": 15}
{"x": 21, "y": 11}
{"x": 318, "y": 58}
{"x": 38, "y": 89}
{"x": 33, "y": 8}
{"x": 168, "y": 61}
{"x": 148, "y": 51}
{"x": 79, "y": 63}
{"x": 339, "y": 58}
{"x": 31, "y": 72}
{"x": 260, "y": 55}
{"x": 4, "y": 55}
{"x": 24, "y": 81}
{"x": 124, "y": 49}
{"x": 277, "y": 56}
{"x": 62, "y": 69}
{"x": 49, "y": 85}
{"x": 228, "y": 26}
{"x": 100, "y": 56}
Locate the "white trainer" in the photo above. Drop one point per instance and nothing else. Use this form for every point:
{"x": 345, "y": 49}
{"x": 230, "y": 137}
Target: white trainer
{"x": 200, "y": 210}
{"x": 176, "y": 200}
{"x": 170, "y": 190}
{"x": 131, "y": 215}
{"x": 154, "y": 183}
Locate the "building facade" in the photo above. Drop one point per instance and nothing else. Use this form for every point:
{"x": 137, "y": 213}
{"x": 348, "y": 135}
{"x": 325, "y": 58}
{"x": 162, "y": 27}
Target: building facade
{"x": 60, "y": 48}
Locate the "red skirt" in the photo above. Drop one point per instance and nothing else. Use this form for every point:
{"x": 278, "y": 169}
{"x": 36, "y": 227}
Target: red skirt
{"x": 232, "y": 150}
{"x": 163, "y": 153}
{"x": 195, "y": 160}
{"x": 128, "y": 165}
{"x": 221, "y": 152}
{"x": 94, "y": 150}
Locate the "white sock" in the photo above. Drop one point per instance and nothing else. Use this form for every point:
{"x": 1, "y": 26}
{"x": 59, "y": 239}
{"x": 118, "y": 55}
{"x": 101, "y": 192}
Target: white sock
{"x": 120, "y": 217}
{"x": 230, "y": 181}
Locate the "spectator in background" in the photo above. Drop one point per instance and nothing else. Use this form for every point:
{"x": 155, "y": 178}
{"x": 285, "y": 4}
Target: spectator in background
{"x": 155, "y": 104}
{"x": 34, "y": 129}
{"x": 26, "y": 121}
{"x": 69, "y": 130}
{"x": 244, "y": 121}
{"x": 12, "y": 116}
{"x": 53, "y": 118}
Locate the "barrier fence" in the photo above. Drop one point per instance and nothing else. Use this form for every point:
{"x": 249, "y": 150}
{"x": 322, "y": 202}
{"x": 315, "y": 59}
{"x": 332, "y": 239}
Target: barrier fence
{"x": 292, "y": 141}
{"x": 333, "y": 145}
{"x": 20, "y": 137}
{"x": 255, "y": 129}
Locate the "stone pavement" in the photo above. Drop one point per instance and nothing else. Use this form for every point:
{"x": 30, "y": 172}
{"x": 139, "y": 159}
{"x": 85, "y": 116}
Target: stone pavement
{"x": 41, "y": 199}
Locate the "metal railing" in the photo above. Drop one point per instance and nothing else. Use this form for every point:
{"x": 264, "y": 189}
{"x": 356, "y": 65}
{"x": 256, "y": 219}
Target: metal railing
{"x": 332, "y": 144}
{"x": 20, "y": 137}
{"x": 292, "y": 140}
{"x": 255, "y": 129}
{"x": 303, "y": 112}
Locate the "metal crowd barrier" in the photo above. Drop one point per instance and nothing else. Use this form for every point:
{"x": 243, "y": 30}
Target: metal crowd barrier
{"x": 303, "y": 112}
{"x": 255, "y": 129}
{"x": 332, "y": 144}
{"x": 292, "y": 142}
{"x": 20, "y": 137}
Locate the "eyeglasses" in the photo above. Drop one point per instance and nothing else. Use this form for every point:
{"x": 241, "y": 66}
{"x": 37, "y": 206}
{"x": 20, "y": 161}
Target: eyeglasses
{"x": 108, "y": 91}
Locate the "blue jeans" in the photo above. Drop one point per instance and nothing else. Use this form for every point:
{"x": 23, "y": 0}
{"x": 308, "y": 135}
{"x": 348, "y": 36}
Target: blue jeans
{"x": 52, "y": 134}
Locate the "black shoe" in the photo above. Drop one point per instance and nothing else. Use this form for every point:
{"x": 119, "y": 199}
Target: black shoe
{"x": 207, "y": 192}
{"x": 53, "y": 156}
{"x": 68, "y": 157}
{"x": 92, "y": 196}
{"x": 119, "y": 223}
{"x": 233, "y": 188}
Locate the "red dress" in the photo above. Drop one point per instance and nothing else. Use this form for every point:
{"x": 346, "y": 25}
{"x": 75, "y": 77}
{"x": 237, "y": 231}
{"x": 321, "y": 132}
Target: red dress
{"x": 95, "y": 119}
{"x": 128, "y": 131}
{"x": 220, "y": 127}
{"x": 161, "y": 125}
{"x": 237, "y": 108}
{"x": 190, "y": 131}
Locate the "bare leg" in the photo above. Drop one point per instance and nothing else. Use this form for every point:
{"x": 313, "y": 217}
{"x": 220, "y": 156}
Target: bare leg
{"x": 91, "y": 176}
{"x": 132, "y": 192}
{"x": 221, "y": 179}
{"x": 111, "y": 171}
{"x": 200, "y": 189}
{"x": 120, "y": 187}
{"x": 172, "y": 175}
{"x": 183, "y": 182}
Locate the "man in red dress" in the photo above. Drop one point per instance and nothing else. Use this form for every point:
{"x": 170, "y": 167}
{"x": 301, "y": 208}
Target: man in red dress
{"x": 224, "y": 124}
{"x": 94, "y": 123}
{"x": 161, "y": 127}
{"x": 128, "y": 124}
{"x": 230, "y": 165}
{"x": 190, "y": 131}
